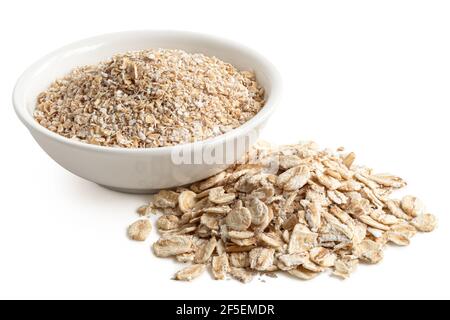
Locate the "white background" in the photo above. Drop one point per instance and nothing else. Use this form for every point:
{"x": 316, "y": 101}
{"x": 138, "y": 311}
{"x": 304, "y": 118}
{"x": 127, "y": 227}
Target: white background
{"x": 373, "y": 76}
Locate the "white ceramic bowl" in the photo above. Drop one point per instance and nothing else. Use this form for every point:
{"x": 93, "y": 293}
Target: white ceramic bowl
{"x": 140, "y": 170}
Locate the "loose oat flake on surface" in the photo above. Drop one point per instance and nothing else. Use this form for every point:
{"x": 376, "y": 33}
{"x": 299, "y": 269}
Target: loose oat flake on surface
{"x": 140, "y": 230}
{"x": 315, "y": 212}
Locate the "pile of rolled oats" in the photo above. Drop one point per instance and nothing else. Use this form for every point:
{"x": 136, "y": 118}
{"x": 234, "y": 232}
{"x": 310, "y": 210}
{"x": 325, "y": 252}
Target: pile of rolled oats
{"x": 150, "y": 98}
{"x": 293, "y": 209}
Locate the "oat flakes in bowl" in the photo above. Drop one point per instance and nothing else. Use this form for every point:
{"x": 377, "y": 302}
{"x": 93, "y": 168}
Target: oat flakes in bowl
{"x": 150, "y": 98}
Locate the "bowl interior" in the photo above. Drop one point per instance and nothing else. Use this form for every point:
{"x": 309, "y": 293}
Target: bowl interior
{"x": 37, "y": 78}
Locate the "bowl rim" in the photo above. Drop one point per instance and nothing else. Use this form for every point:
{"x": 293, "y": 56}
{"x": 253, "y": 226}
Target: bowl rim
{"x": 29, "y": 121}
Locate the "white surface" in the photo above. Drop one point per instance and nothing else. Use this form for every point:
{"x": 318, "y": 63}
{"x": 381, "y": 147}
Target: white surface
{"x": 372, "y": 76}
{"x": 143, "y": 170}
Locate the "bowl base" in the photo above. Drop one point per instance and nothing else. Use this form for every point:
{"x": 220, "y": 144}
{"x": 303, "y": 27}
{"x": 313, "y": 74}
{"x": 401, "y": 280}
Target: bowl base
{"x": 132, "y": 191}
